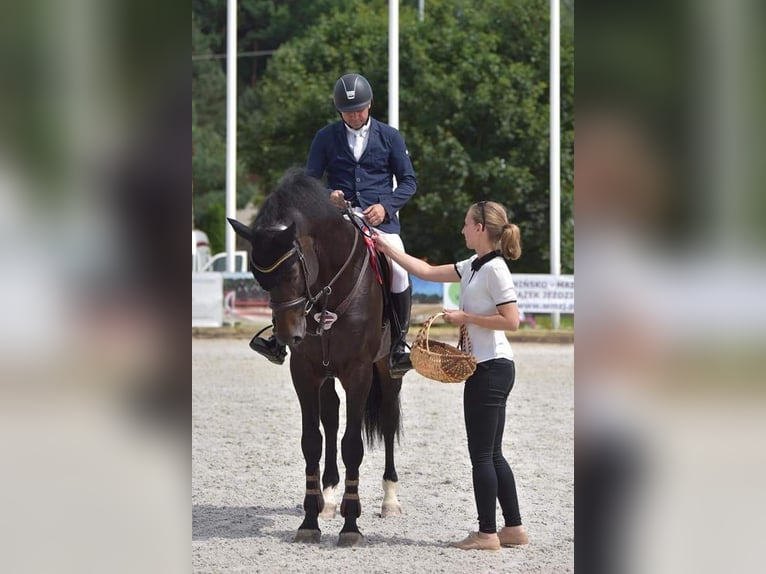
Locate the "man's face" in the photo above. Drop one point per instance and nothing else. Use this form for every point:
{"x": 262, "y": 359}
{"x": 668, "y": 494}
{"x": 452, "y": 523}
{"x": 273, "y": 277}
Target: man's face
{"x": 356, "y": 119}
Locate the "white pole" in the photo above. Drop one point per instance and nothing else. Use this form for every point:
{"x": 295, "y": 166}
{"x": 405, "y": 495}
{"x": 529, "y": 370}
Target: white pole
{"x": 393, "y": 63}
{"x": 555, "y": 157}
{"x": 231, "y": 128}
{"x": 421, "y": 9}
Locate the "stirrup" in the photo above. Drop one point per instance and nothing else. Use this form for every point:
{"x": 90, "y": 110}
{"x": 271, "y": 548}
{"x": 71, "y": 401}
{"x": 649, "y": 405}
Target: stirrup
{"x": 269, "y": 348}
{"x": 401, "y": 367}
{"x": 399, "y": 364}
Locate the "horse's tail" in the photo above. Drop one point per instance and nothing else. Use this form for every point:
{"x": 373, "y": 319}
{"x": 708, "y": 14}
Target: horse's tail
{"x": 383, "y": 413}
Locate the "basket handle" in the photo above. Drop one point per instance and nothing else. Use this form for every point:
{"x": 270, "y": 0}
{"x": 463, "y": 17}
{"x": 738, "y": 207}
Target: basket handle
{"x": 425, "y": 328}
{"x": 464, "y": 341}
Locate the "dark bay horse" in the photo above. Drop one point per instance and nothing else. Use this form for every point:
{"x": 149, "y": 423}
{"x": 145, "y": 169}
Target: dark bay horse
{"x": 316, "y": 268}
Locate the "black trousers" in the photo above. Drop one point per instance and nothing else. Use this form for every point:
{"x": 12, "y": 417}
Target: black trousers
{"x": 484, "y": 399}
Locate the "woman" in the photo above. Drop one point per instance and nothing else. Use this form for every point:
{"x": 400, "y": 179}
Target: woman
{"x": 488, "y": 309}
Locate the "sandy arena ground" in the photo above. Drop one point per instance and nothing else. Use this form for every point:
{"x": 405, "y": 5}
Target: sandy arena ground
{"x": 248, "y": 472}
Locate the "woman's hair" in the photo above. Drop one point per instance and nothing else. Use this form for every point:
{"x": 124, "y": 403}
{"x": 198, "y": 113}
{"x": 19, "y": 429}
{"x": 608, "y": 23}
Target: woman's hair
{"x": 505, "y": 236}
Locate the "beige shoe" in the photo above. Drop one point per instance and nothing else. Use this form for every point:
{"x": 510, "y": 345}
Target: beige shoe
{"x": 475, "y": 542}
{"x": 513, "y": 536}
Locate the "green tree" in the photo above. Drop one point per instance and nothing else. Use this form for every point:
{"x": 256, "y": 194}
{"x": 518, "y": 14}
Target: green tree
{"x": 473, "y": 109}
{"x": 208, "y": 83}
{"x": 209, "y": 145}
{"x": 263, "y": 26}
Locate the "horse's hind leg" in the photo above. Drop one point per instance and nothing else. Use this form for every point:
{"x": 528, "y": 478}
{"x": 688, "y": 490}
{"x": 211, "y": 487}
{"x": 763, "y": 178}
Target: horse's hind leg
{"x": 391, "y": 505}
{"x": 390, "y": 423}
{"x": 328, "y": 412}
{"x": 311, "y": 444}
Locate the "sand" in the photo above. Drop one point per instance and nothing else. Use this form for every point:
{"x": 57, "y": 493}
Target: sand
{"x": 248, "y": 472}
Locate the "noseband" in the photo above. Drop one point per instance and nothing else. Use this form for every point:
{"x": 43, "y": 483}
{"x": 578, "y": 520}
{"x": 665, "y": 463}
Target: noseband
{"x": 309, "y": 299}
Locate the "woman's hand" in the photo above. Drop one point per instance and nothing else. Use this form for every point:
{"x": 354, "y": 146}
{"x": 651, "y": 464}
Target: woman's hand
{"x": 506, "y": 319}
{"x": 380, "y": 243}
{"x": 455, "y": 317}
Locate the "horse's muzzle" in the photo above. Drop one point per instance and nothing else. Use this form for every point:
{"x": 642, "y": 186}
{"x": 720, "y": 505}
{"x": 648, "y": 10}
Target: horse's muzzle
{"x": 290, "y": 331}
{"x": 291, "y": 341}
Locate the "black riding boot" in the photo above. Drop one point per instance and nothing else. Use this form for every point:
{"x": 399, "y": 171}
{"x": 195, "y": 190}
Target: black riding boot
{"x": 269, "y": 348}
{"x": 399, "y": 361}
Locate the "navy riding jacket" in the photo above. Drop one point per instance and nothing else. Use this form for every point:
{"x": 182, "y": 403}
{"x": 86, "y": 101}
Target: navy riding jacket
{"x": 369, "y": 180}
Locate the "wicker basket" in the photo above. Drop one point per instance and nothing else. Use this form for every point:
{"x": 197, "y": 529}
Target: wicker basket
{"x": 440, "y": 361}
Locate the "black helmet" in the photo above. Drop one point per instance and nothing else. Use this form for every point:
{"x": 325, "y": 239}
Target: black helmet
{"x": 352, "y": 93}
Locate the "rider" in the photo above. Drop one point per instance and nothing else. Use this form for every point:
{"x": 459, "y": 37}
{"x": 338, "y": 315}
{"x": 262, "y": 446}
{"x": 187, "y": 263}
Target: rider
{"x": 361, "y": 157}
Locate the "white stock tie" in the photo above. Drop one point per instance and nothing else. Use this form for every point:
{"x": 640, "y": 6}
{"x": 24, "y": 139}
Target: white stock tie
{"x": 358, "y": 145}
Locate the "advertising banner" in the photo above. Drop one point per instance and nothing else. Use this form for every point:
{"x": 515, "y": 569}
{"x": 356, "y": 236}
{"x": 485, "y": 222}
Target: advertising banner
{"x": 538, "y": 293}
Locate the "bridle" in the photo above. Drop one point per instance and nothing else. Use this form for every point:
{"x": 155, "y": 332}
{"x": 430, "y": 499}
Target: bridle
{"x": 307, "y": 298}
{"x": 324, "y": 317}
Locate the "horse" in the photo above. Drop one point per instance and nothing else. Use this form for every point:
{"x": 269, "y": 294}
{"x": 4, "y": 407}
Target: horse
{"x": 328, "y": 308}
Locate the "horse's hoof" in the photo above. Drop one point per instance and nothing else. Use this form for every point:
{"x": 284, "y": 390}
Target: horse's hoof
{"x": 391, "y": 509}
{"x": 348, "y": 539}
{"x": 310, "y": 536}
{"x": 328, "y": 511}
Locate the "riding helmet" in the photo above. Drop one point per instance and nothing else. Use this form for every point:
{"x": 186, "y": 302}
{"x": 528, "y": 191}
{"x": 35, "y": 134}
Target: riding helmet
{"x": 352, "y": 93}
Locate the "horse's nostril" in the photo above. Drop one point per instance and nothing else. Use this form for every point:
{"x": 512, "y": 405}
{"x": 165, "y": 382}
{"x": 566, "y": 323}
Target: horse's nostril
{"x": 297, "y": 340}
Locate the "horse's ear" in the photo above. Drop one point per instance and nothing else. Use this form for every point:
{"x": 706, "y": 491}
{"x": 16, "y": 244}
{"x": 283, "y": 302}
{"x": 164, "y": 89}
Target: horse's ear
{"x": 240, "y": 229}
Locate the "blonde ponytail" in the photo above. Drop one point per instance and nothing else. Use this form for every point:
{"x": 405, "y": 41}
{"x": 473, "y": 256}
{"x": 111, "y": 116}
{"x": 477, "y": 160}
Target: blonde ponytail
{"x": 510, "y": 241}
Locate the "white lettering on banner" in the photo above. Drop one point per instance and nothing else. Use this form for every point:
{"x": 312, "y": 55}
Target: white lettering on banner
{"x": 207, "y": 299}
{"x": 537, "y": 293}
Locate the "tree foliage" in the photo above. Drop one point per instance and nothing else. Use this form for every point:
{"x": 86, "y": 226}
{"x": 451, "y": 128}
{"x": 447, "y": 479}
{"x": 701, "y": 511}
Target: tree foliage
{"x": 474, "y": 109}
{"x": 262, "y": 26}
{"x": 209, "y": 145}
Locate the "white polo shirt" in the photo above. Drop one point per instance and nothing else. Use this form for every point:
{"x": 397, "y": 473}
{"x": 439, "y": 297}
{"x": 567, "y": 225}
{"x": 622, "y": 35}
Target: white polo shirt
{"x": 480, "y": 293}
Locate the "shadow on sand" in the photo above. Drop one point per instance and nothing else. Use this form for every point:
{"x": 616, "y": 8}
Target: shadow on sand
{"x": 234, "y": 521}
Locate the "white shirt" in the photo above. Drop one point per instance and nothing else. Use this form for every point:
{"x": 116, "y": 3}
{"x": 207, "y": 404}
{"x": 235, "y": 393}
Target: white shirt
{"x": 357, "y": 139}
{"x": 480, "y": 293}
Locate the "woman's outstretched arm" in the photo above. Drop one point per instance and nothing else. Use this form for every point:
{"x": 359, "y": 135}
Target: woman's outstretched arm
{"x": 418, "y": 267}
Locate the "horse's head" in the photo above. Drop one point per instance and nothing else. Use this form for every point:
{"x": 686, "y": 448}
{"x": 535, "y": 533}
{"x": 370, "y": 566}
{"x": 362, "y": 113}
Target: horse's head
{"x": 284, "y": 264}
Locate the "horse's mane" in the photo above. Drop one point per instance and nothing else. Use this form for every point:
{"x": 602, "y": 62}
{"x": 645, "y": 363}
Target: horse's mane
{"x": 299, "y": 192}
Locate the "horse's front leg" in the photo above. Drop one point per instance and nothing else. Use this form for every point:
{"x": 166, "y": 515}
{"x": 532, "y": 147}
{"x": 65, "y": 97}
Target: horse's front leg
{"x": 357, "y": 386}
{"x": 328, "y": 412}
{"x": 311, "y": 444}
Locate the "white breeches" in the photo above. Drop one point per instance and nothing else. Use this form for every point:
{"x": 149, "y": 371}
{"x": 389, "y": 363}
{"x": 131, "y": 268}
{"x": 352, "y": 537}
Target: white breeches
{"x": 400, "y": 279}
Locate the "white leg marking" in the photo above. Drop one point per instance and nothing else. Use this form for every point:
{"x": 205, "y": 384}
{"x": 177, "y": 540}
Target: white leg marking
{"x": 330, "y": 495}
{"x": 391, "y": 506}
